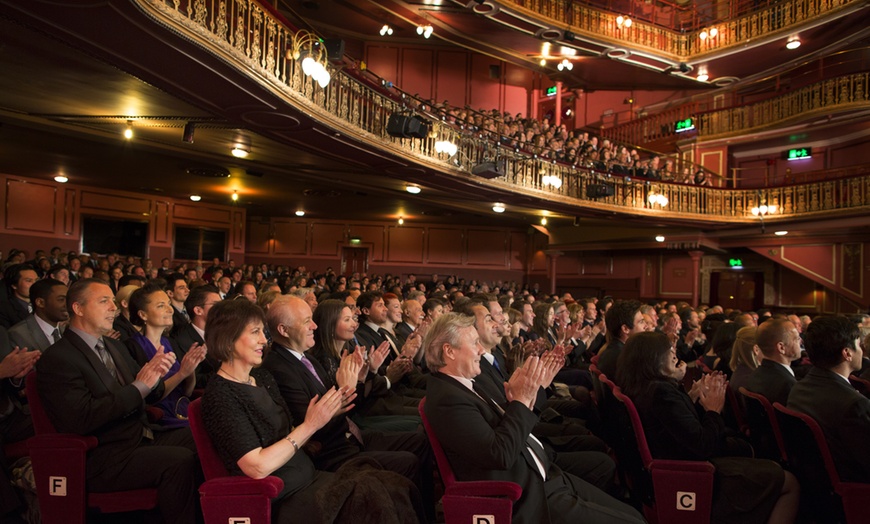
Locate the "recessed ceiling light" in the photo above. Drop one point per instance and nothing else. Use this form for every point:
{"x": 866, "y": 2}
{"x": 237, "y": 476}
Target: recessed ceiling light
{"x": 240, "y": 151}
{"x": 128, "y": 131}
{"x": 703, "y": 77}
{"x": 195, "y": 198}
{"x": 543, "y": 221}
{"x": 498, "y": 207}
{"x": 660, "y": 238}
{"x": 300, "y": 213}
{"x": 780, "y": 233}
{"x": 793, "y": 43}
{"x": 61, "y": 179}
{"x": 414, "y": 190}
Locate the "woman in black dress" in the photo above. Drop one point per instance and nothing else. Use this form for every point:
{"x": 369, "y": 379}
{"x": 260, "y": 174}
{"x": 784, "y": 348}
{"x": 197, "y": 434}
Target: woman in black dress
{"x": 746, "y": 490}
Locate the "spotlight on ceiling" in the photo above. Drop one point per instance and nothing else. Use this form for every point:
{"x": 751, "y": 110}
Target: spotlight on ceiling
{"x": 195, "y": 198}
{"x": 300, "y": 213}
{"x": 386, "y": 30}
{"x": 414, "y": 190}
{"x": 128, "y": 131}
{"x": 793, "y": 43}
{"x": 240, "y": 151}
{"x": 61, "y": 179}
{"x": 187, "y": 134}
{"x": 780, "y": 233}
{"x": 660, "y": 238}
{"x": 498, "y": 207}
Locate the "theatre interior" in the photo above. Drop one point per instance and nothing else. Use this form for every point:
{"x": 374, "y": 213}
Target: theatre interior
{"x": 376, "y": 137}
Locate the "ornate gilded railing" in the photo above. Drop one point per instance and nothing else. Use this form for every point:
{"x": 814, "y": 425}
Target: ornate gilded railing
{"x": 255, "y": 41}
{"x": 834, "y": 94}
{"x": 674, "y": 30}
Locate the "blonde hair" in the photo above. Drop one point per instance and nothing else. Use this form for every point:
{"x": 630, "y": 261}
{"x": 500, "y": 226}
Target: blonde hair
{"x": 742, "y": 352}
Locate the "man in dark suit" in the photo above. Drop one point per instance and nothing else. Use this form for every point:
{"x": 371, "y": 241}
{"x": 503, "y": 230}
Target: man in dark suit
{"x": 371, "y": 333}
{"x": 825, "y": 394}
{"x": 42, "y": 328}
{"x": 198, "y": 303}
{"x": 412, "y": 315}
{"x": 178, "y": 291}
{"x": 18, "y": 279}
{"x": 488, "y": 440}
{"x": 90, "y": 385}
{"x": 623, "y": 319}
{"x": 780, "y": 344}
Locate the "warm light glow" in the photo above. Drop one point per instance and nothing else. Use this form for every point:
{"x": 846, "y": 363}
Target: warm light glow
{"x": 543, "y": 221}
{"x": 793, "y": 43}
{"x": 780, "y": 233}
{"x": 300, "y": 213}
{"x": 565, "y": 64}
{"x": 414, "y": 190}
{"x": 386, "y": 30}
{"x": 401, "y": 221}
{"x": 61, "y": 179}
{"x": 498, "y": 207}
{"x": 713, "y": 32}
{"x": 543, "y": 62}
{"x": 703, "y": 77}
{"x": 552, "y": 180}
{"x": 195, "y": 198}
{"x": 660, "y": 238}
{"x": 235, "y": 196}
{"x": 128, "y": 131}
{"x": 703, "y": 35}
{"x": 623, "y": 21}
{"x": 657, "y": 198}
{"x": 445, "y": 146}
{"x": 240, "y": 151}
{"x": 425, "y": 30}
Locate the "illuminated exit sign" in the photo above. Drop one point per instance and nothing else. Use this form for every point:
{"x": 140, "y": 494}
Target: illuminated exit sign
{"x": 684, "y": 125}
{"x": 736, "y": 263}
{"x": 551, "y": 91}
{"x": 799, "y": 153}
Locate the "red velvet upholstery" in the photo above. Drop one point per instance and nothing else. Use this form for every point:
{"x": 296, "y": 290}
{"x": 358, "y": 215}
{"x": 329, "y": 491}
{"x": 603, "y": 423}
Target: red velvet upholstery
{"x": 764, "y": 428}
{"x": 665, "y": 487}
{"x": 226, "y": 498}
{"x": 811, "y": 462}
{"x": 464, "y": 499}
{"x": 59, "y": 461}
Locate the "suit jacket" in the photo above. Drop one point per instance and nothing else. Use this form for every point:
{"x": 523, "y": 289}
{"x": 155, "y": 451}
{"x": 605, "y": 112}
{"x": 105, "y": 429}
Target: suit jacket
{"x": 403, "y": 331}
{"x": 844, "y": 416}
{"x": 28, "y": 334}
{"x": 80, "y": 396}
{"x": 369, "y": 338}
{"x": 12, "y": 311}
{"x": 483, "y": 444}
{"x": 330, "y": 446}
{"x": 178, "y": 321}
{"x": 187, "y": 336}
{"x": 771, "y": 380}
{"x": 608, "y": 358}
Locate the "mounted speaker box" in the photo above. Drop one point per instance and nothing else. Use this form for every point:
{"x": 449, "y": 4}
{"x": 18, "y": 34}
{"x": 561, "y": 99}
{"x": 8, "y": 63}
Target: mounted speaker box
{"x": 599, "y": 190}
{"x": 407, "y": 126}
{"x": 489, "y": 169}
{"x": 334, "y": 49}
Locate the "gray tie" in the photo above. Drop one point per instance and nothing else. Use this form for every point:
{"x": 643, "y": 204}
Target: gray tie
{"x": 106, "y": 358}
{"x": 55, "y": 335}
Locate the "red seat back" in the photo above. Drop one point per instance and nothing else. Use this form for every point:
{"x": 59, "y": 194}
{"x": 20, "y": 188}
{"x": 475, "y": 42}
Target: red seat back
{"x": 764, "y": 427}
{"x": 447, "y": 475}
{"x": 41, "y": 424}
{"x": 212, "y": 465}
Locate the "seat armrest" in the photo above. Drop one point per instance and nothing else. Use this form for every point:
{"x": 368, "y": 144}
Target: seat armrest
{"x": 240, "y": 486}
{"x": 486, "y": 488}
{"x": 62, "y": 440}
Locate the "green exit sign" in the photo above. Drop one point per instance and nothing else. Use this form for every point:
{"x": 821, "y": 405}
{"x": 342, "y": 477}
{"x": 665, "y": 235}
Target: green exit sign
{"x": 735, "y": 263}
{"x": 684, "y": 125}
{"x": 799, "y": 153}
{"x": 551, "y": 91}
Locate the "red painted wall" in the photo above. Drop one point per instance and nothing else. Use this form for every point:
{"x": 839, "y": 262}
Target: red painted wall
{"x": 61, "y": 207}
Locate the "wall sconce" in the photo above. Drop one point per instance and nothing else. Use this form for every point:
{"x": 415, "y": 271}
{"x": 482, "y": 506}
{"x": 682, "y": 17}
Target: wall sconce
{"x": 623, "y": 21}
{"x": 445, "y": 146}
{"x": 425, "y": 30}
{"x": 498, "y": 207}
{"x": 543, "y": 221}
{"x": 311, "y": 50}
{"x": 657, "y": 198}
{"x": 762, "y": 209}
{"x": 195, "y": 198}
{"x": 414, "y": 190}
{"x": 61, "y": 179}
{"x": 300, "y": 213}
{"x": 401, "y": 221}
{"x": 793, "y": 43}
{"x": 554, "y": 181}
{"x": 565, "y": 64}
{"x": 660, "y": 238}
{"x": 128, "y": 131}
{"x": 386, "y": 30}
{"x": 708, "y": 33}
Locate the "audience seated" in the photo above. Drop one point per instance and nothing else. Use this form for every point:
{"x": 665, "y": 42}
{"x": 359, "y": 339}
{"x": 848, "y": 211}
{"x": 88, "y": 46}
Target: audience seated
{"x": 744, "y": 357}
{"x": 779, "y": 342}
{"x": 825, "y": 394}
{"x": 648, "y": 373}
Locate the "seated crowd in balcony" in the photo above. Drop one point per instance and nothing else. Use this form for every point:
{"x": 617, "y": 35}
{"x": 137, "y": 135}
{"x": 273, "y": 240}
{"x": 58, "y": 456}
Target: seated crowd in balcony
{"x": 576, "y": 147}
{"x": 539, "y": 344}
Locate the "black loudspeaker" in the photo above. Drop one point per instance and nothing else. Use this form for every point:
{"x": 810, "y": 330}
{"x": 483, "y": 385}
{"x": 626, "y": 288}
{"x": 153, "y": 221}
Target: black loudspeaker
{"x": 334, "y": 49}
{"x": 489, "y": 169}
{"x": 407, "y": 126}
{"x": 599, "y": 190}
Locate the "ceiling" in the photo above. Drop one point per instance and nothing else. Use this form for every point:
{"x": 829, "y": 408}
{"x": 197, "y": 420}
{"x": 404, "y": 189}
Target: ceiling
{"x": 64, "y": 109}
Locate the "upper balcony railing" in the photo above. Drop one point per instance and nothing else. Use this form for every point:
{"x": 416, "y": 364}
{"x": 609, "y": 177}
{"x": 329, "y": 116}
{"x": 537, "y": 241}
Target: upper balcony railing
{"x": 255, "y": 40}
{"x": 674, "y": 28}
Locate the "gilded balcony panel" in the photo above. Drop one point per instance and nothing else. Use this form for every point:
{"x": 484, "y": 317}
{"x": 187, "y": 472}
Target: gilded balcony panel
{"x": 247, "y": 36}
{"x": 673, "y": 30}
